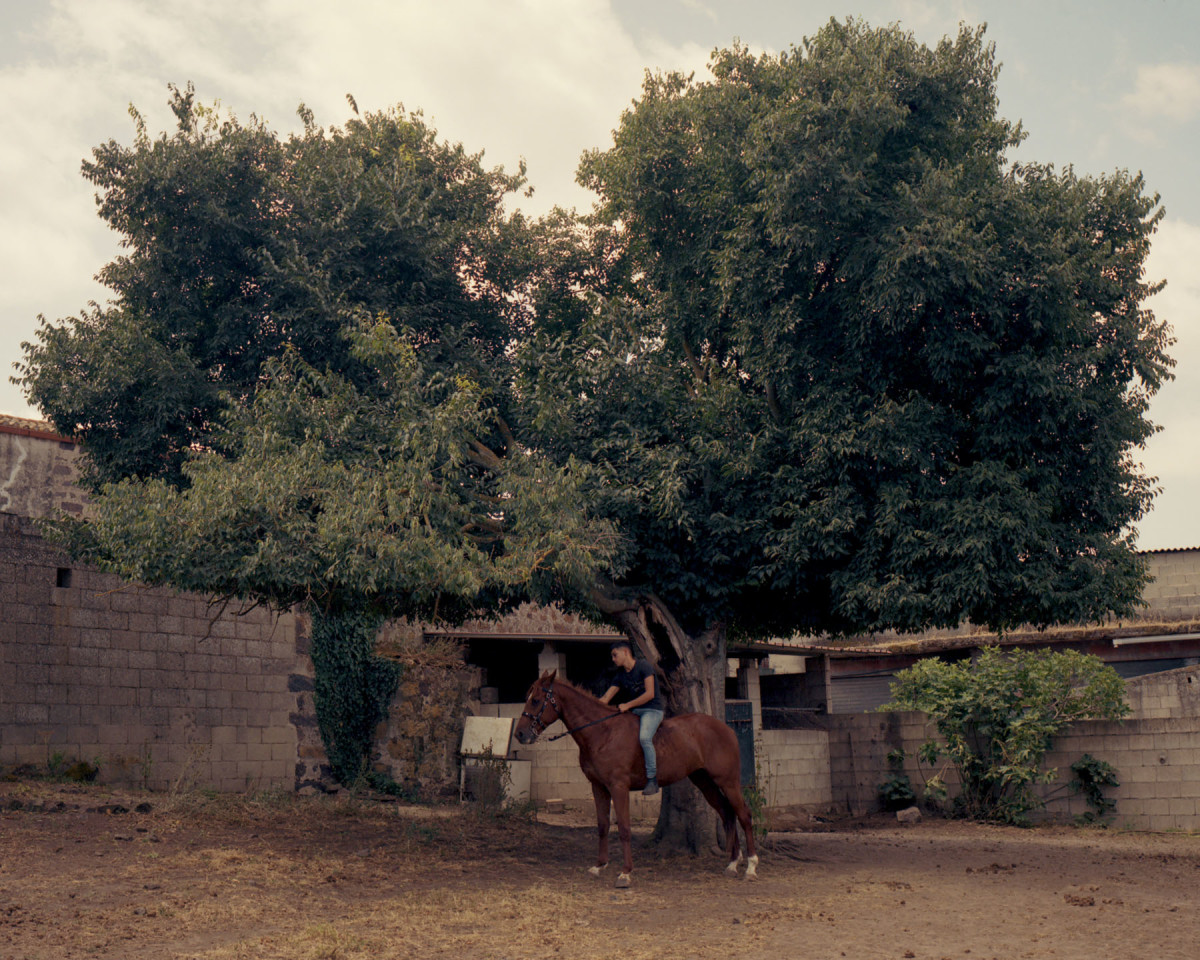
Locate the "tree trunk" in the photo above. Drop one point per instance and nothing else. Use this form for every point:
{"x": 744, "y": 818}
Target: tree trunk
{"x": 693, "y": 681}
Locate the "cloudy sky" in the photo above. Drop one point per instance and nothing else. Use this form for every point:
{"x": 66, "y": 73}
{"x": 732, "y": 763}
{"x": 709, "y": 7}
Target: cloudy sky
{"x": 1100, "y": 84}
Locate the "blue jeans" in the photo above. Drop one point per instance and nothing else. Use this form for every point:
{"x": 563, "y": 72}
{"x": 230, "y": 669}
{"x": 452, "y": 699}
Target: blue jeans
{"x": 649, "y": 720}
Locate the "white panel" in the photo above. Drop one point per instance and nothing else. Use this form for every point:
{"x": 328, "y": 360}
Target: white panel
{"x": 481, "y": 732}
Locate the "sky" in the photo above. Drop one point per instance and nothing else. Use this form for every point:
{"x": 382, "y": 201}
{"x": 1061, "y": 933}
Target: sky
{"x": 1097, "y": 84}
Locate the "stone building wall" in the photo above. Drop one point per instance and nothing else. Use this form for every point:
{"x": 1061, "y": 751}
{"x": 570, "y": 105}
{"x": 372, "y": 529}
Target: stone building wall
{"x": 37, "y": 470}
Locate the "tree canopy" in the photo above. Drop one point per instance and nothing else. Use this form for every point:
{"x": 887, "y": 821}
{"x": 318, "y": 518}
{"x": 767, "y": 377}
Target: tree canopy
{"x": 241, "y": 245}
{"x": 822, "y": 359}
{"x": 871, "y": 374}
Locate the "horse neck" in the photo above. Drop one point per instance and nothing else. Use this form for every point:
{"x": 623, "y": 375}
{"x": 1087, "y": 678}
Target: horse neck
{"x": 577, "y": 708}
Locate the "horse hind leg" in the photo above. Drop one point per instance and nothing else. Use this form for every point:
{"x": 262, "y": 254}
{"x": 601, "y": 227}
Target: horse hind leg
{"x": 717, "y": 800}
{"x": 733, "y": 794}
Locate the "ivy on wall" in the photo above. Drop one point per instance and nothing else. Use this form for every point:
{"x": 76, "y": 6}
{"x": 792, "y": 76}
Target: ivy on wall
{"x": 353, "y": 688}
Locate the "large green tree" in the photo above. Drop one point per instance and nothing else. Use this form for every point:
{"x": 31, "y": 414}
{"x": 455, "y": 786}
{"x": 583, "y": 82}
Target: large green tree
{"x": 870, "y": 373}
{"x": 297, "y": 393}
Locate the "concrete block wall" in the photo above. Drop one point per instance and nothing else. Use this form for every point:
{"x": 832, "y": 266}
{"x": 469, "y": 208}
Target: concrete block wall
{"x": 1172, "y": 693}
{"x": 1157, "y": 762}
{"x": 152, "y": 684}
{"x": 1156, "y": 754}
{"x": 794, "y": 768}
{"x": 859, "y": 745}
{"x": 1174, "y": 591}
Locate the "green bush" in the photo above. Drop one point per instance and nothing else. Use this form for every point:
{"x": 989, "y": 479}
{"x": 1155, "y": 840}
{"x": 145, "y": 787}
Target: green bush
{"x": 996, "y": 717}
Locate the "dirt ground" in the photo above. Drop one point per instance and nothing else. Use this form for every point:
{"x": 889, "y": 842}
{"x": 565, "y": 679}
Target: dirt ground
{"x": 85, "y": 872}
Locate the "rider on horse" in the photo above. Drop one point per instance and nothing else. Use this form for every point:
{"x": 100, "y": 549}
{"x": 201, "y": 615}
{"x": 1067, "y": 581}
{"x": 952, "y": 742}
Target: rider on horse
{"x": 636, "y": 678}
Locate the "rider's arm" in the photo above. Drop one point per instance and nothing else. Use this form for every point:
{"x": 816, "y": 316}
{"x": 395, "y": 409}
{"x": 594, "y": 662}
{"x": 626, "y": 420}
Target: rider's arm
{"x": 645, "y": 697}
{"x": 609, "y": 694}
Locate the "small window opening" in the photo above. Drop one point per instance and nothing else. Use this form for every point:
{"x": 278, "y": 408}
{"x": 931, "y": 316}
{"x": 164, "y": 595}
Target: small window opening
{"x": 63, "y": 579}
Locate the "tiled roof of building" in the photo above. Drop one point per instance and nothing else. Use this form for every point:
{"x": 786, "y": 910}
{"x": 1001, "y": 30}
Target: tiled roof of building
{"x": 29, "y": 428}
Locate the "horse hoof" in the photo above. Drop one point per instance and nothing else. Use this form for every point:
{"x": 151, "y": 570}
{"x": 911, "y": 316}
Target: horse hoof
{"x": 595, "y": 871}
{"x": 623, "y": 882}
{"x": 732, "y": 869}
{"x": 751, "y": 876}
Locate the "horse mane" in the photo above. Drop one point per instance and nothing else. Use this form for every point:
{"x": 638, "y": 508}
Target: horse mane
{"x": 564, "y": 682}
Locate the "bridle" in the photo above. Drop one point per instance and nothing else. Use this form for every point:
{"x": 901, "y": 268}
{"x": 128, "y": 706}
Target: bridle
{"x": 539, "y": 725}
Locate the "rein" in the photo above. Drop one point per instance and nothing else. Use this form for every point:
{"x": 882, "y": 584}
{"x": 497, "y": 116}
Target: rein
{"x": 590, "y": 723}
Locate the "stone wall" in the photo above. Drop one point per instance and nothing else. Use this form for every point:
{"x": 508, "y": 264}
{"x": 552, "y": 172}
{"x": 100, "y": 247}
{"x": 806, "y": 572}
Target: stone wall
{"x": 419, "y": 743}
{"x": 37, "y": 470}
{"x": 157, "y": 687}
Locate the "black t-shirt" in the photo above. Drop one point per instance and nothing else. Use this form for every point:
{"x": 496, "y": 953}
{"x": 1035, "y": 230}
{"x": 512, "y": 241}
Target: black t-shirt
{"x": 632, "y": 683}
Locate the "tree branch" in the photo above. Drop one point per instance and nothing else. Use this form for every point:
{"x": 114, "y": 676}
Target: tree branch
{"x": 483, "y": 456}
{"x": 697, "y": 369}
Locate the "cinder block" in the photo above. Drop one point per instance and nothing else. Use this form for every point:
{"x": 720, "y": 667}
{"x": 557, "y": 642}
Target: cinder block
{"x": 115, "y": 659}
{"x": 84, "y": 734}
{"x": 285, "y": 752}
{"x": 234, "y": 717}
{"x": 233, "y": 682}
{"x": 170, "y": 625}
{"x": 182, "y": 607}
{"x": 64, "y": 714}
{"x": 143, "y": 624}
{"x": 258, "y": 752}
{"x": 31, "y": 713}
{"x": 244, "y": 630}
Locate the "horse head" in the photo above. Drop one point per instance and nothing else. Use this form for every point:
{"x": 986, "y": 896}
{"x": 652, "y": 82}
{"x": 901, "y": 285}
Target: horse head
{"x": 541, "y": 708}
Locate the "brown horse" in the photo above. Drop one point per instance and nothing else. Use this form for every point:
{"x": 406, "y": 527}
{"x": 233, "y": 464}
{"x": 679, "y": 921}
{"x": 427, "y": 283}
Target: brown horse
{"x": 692, "y": 745}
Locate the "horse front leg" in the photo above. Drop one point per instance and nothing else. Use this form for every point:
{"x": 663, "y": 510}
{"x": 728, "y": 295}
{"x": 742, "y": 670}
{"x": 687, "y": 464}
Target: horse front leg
{"x": 603, "y": 802}
{"x": 620, "y": 797}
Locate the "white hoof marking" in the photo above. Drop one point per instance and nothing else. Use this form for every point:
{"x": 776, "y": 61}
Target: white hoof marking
{"x": 732, "y": 868}
{"x": 623, "y": 881}
{"x": 752, "y": 868}
{"x": 595, "y": 871}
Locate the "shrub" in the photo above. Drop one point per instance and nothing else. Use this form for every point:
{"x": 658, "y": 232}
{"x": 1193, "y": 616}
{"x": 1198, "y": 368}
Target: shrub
{"x": 997, "y": 715}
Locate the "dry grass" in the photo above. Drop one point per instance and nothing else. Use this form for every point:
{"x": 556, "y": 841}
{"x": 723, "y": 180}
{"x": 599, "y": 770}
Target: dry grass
{"x": 273, "y": 877}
